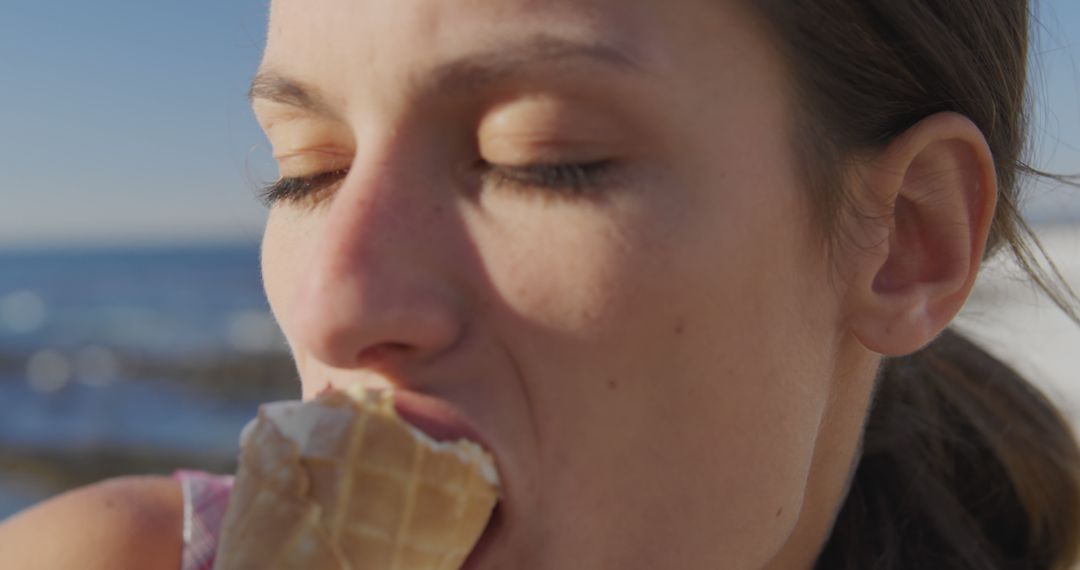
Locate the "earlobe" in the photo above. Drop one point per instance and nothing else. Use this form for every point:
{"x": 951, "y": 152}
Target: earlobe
{"x": 935, "y": 189}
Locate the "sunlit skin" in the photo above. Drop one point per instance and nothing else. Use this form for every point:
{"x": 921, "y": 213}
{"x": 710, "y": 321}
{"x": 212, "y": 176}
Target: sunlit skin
{"x": 669, "y": 369}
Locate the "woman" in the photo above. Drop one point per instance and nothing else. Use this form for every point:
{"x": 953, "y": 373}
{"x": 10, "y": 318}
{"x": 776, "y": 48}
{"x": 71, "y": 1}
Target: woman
{"x": 686, "y": 267}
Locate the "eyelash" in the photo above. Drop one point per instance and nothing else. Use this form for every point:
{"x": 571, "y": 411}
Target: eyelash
{"x": 562, "y": 179}
{"x": 300, "y": 188}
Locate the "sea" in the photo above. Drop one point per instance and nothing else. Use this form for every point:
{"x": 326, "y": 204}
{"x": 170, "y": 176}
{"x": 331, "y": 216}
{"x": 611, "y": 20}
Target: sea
{"x": 69, "y": 319}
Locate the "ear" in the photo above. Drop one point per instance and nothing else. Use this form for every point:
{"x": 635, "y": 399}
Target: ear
{"x": 931, "y": 195}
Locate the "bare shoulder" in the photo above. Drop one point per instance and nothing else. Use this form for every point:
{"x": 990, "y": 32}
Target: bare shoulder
{"x": 129, "y": 522}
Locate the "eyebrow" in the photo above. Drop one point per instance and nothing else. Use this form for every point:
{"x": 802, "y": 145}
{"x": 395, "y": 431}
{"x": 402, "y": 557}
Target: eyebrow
{"x": 467, "y": 73}
{"x": 271, "y": 86}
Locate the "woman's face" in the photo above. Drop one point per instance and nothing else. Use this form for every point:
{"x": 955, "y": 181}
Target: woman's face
{"x": 579, "y": 224}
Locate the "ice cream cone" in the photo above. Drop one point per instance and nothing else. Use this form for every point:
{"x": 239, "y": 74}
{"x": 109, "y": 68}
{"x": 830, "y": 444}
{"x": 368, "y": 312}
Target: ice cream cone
{"x": 343, "y": 483}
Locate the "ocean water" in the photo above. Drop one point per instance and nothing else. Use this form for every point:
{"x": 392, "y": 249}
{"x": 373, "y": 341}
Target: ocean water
{"x": 162, "y": 301}
{"x": 70, "y": 319}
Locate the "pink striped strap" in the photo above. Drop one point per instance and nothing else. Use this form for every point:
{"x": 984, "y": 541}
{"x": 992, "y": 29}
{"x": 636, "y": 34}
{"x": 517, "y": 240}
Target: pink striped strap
{"x": 205, "y": 498}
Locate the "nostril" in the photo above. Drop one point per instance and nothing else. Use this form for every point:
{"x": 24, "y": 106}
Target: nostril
{"x": 380, "y": 353}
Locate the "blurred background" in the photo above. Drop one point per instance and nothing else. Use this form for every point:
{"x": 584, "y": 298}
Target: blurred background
{"x": 134, "y": 335}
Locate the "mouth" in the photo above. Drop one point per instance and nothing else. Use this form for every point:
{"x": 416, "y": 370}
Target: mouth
{"x": 437, "y": 419}
{"x": 441, "y": 422}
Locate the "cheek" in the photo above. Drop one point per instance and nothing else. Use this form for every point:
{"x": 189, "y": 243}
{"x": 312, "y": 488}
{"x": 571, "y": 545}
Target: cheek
{"x": 280, "y": 257}
{"x": 568, "y": 271}
{"x": 286, "y": 247}
{"x": 688, "y": 337}
{"x": 273, "y": 259}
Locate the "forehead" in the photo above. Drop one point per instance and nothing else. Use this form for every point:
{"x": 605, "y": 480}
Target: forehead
{"x": 369, "y": 57}
{"x": 360, "y": 34}
{"x": 436, "y": 19}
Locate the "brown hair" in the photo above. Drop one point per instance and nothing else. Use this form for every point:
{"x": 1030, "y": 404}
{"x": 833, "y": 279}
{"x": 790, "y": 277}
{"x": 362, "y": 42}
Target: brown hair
{"x": 964, "y": 463}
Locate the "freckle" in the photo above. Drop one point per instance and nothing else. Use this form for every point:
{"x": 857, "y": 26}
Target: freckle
{"x": 680, "y": 328}
{"x": 611, "y": 384}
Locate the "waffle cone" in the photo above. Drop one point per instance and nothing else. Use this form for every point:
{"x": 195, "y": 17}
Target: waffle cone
{"x": 343, "y": 483}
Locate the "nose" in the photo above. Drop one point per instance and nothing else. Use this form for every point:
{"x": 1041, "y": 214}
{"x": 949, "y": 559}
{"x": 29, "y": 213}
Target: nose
{"x": 375, "y": 289}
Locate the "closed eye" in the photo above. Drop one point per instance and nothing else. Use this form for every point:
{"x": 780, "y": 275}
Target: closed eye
{"x": 302, "y": 189}
{"x": 559, "y": 178}
{"x": 569, "y": 179}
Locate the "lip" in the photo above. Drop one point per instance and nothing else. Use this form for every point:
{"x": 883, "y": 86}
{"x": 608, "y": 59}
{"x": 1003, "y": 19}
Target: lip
{"x": 436, "y": 418}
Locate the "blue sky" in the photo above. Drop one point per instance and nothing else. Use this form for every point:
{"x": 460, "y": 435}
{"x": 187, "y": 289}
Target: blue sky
{"x": 125, "y": 120}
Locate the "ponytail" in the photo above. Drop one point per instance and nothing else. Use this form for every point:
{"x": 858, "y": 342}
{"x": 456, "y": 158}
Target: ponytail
{"x": 965, "y": 465}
